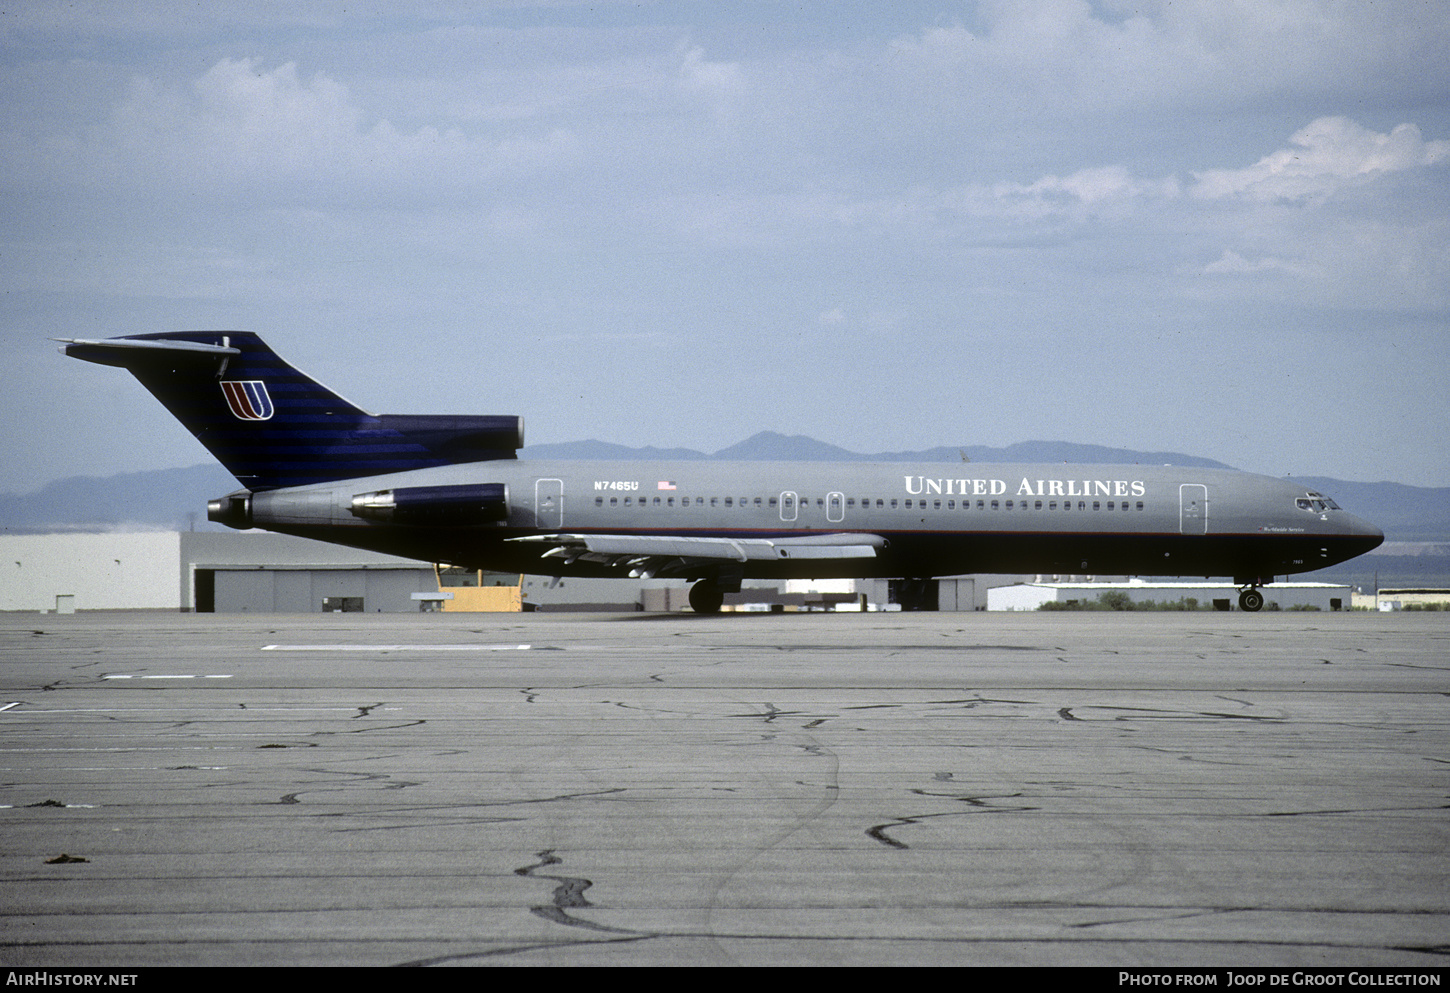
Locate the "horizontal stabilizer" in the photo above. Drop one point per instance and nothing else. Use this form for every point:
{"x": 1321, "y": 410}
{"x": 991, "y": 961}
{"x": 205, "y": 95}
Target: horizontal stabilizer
{"x": 130, "y": 352}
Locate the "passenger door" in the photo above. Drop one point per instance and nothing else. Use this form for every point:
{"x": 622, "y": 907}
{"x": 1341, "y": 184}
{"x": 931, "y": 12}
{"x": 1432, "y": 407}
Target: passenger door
{"x": 1193, "y": 508}
{"x": 549, "y": 504}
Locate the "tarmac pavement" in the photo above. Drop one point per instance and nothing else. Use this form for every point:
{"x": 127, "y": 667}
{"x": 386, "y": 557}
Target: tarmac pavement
{"x": 1118, "y": 790}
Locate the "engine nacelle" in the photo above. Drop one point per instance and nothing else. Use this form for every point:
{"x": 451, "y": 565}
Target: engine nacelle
{"x": 440, "y": 506}
{"x": 234, "y": 510}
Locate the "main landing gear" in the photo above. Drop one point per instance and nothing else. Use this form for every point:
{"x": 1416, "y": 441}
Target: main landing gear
{"x": 706, "y": 597}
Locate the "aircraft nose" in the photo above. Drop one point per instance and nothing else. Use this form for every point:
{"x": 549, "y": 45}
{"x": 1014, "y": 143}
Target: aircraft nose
{"x": 1362, "y": 533}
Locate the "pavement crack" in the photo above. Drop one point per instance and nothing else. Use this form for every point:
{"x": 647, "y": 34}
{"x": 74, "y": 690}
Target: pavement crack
{"x": 568, "y": 895}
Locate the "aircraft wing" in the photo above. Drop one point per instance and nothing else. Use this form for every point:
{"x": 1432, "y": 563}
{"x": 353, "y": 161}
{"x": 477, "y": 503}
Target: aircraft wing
{"x": 650, "y": 555}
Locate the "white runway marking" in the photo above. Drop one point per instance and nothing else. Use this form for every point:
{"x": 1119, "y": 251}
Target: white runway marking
{"x": 396, "y": 648}
{"x": 192, "y": 710}
{"x": 177, "y": 676}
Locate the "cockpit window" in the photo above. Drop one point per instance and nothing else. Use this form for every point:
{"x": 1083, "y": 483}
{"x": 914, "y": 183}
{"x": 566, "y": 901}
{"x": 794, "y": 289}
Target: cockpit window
{"x": 1315, "y": 503}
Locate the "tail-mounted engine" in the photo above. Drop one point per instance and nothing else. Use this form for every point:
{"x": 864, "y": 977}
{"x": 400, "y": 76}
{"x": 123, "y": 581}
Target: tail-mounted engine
{"x": 439, "y": 506}
{"x": 234, "y": 510}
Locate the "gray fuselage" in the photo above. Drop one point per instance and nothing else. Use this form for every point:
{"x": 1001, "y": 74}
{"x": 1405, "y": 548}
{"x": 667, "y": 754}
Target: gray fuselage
{"x": 937, "y": 518}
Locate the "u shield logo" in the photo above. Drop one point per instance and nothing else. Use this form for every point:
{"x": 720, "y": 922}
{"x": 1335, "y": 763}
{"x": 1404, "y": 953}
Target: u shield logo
{"x": 248, "y": 399}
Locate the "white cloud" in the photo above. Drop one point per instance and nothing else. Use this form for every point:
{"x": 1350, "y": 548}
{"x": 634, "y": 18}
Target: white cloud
{"x": 244, "y": 125}
{"x": 1086, "y": 190}
{"x": 1328, "y": 154}
{"x": 699, "y": 75}
{"x": 1231, "y": 263}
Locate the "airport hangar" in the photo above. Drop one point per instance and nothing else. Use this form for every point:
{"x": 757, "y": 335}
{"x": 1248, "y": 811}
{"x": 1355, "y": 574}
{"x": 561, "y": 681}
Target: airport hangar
{"x": 261, "y": 572}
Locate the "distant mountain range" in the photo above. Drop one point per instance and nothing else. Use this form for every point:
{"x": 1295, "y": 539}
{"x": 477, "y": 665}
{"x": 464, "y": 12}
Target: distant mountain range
{"x": 768, "y": 446}
{"x": 175, "y": 499}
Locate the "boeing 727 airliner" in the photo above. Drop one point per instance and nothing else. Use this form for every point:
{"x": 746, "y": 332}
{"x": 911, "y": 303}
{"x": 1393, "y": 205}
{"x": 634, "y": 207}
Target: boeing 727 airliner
{"x": 453, "y": 490}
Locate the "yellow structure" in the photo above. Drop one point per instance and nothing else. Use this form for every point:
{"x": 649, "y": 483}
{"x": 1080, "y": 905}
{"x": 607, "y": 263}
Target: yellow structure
{"x": 1416, "y": 598}
{"x": 478, "y": 590}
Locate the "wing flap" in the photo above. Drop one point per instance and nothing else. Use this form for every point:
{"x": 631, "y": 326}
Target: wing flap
{"x": 632, "y": 549}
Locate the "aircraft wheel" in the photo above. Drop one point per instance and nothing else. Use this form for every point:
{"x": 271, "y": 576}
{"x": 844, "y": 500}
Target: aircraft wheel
{"x": 706, "y": 597}
{"x": 1251, "y": 600}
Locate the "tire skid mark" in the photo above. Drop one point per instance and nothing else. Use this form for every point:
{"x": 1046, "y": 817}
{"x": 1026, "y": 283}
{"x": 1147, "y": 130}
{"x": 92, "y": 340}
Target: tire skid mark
{"x": 979, "y": 804}
{"x": 958, "y": 941}
{"x": 348, "y": 778}
{"x": 456, "y": 807}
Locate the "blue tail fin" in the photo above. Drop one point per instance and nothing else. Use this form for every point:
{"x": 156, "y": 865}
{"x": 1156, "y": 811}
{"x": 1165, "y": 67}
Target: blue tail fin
{"x": 272, "y": 426}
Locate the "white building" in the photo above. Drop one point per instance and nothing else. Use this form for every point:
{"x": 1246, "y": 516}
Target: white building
{"x": 112, "y": 571}
{"x": 169, "y": 570}
{"x": 1223, "y": 596}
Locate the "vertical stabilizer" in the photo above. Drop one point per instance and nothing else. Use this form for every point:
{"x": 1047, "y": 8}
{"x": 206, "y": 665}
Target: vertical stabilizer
{"x": 273, "y": 426}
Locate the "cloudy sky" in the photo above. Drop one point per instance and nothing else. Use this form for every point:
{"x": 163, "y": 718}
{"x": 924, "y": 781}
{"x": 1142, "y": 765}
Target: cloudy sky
{"x": 1212, "y": 227}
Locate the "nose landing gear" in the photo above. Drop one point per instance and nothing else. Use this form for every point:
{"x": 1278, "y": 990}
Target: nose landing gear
{"x": 1250, "y": 599}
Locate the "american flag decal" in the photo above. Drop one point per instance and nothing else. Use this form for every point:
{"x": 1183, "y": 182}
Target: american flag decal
{"x": 248, "y": 399}
{"x": 666, "y": 484}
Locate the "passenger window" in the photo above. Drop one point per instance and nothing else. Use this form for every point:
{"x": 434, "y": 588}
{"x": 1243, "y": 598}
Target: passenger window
{"x": 994, "y": 504}
{"x": 598, "y": 501}
{"x": 1140, "y": 504}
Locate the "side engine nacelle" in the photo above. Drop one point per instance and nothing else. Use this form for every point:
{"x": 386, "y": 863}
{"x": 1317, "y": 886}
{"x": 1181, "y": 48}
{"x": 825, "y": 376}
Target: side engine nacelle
{"x": 438, "y": 506}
